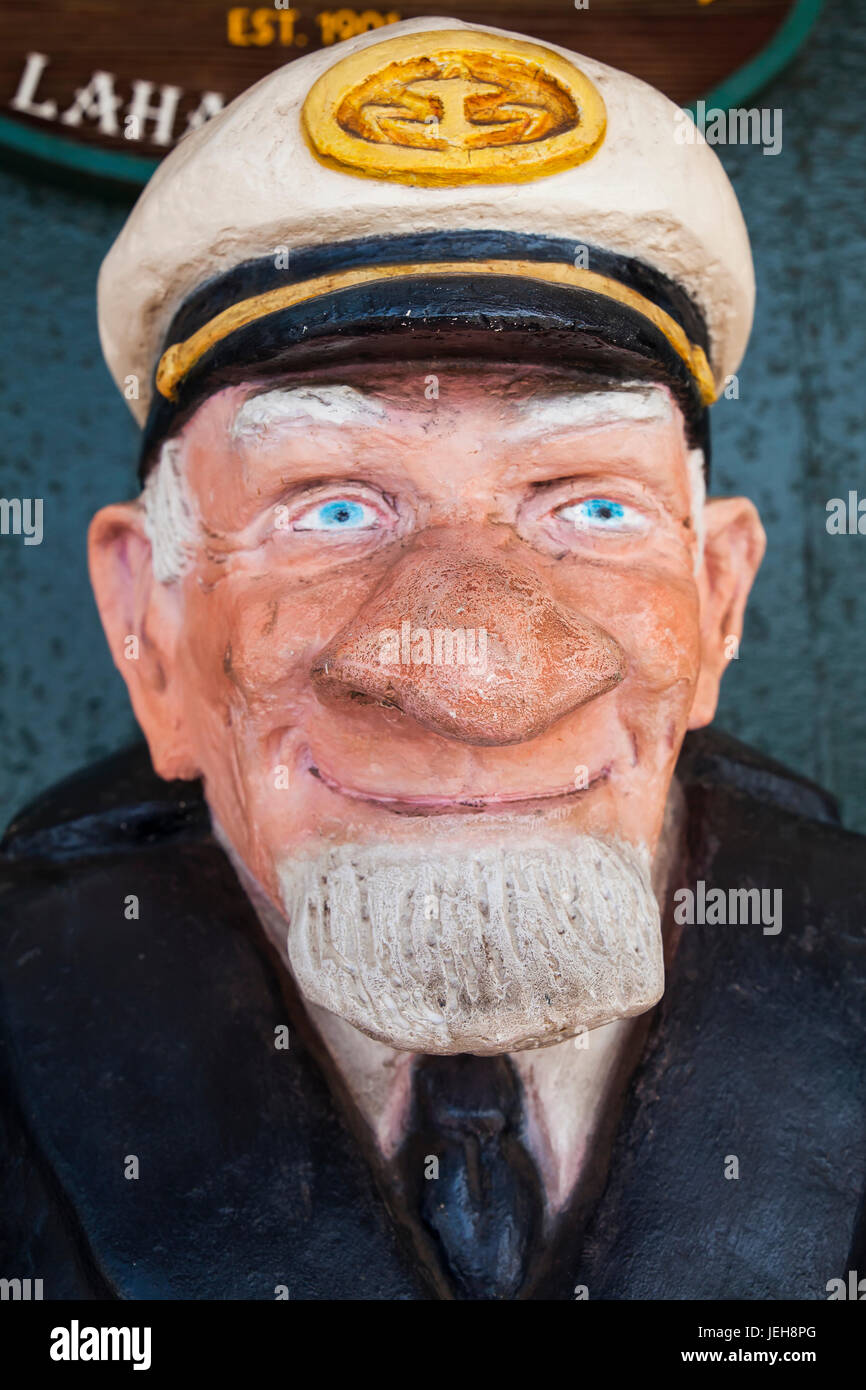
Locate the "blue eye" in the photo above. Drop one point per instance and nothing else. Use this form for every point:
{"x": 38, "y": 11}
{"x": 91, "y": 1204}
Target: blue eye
{"x": 599, "y": 509}
{"x": 342, "y": 514}
{"x": 601, "y": 514}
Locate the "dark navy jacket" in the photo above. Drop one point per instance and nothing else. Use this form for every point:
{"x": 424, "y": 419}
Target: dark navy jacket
{"x": 153, "y": 1038}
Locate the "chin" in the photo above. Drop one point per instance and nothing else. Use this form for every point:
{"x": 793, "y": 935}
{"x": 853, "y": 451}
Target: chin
{"x": 498, "y": 949}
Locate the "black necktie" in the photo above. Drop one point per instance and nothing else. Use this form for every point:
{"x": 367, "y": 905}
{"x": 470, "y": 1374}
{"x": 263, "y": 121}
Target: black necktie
{"x": 483, "y": 1212}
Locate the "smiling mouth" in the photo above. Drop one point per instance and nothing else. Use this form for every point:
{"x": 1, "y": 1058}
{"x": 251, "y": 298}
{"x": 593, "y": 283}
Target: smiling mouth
{"x": 513, "y": 802}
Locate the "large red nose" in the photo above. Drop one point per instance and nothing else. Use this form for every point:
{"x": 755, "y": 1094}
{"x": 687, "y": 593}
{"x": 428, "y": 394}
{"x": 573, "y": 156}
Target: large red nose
{"x": 470, "y": 647}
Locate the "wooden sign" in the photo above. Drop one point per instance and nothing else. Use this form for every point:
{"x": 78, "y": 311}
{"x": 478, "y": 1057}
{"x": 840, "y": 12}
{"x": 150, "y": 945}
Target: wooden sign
{"x": 108, "y": 88}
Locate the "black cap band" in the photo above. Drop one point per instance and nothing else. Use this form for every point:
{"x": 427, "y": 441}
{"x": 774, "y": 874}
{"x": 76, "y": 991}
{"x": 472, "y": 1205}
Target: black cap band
{"x": 463, "y": 313}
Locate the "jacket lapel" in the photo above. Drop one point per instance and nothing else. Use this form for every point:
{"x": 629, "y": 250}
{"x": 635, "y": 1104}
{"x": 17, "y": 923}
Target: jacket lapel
{"x": 249, "y": 1182}
{"x": 740, "y": 1157}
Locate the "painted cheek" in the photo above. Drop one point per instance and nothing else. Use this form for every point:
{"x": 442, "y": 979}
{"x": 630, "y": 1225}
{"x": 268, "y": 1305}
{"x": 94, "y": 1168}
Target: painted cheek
{"x": 661, "y": 634}
{"x": 255, "y": 638}
{"x": 266, "y": 646}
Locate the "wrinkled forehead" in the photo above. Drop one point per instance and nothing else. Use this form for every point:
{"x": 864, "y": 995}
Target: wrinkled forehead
{"x": 515, "y": 403}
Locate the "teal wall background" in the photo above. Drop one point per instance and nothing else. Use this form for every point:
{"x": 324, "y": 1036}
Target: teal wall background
{"x": 793, "y": 440}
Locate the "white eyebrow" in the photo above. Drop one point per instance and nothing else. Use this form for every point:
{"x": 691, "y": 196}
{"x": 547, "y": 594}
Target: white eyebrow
{"x": 591, "y": 409}
{"x": 304, "y": 405}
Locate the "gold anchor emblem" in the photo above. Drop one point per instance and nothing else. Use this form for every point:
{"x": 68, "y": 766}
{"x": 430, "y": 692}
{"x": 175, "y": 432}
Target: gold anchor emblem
{"x": 454, "y": 107}
{"x": 444, "y": 123}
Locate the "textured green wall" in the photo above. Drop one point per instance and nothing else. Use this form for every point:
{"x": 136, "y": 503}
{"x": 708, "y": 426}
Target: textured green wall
{"x": 791, "y": 441}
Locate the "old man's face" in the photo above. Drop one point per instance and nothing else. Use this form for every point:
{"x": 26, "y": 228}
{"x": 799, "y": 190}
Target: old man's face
{"x": 433, "y": 638}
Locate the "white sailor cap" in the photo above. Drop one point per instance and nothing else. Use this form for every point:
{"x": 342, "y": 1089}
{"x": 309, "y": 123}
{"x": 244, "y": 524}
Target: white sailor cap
{"x": 432, "y": 187}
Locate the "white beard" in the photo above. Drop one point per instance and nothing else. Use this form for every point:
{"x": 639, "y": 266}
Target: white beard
{"x": 486, "y": 950}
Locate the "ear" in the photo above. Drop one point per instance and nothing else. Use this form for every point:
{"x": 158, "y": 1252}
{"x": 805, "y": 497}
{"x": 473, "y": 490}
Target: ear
{"x": 734, "y": 545}
{"x": 142, "y": 621}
